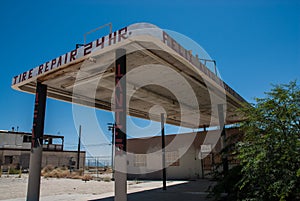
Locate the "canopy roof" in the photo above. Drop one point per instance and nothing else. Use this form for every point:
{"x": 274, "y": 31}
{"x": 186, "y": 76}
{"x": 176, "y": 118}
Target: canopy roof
{"x": 155, "y": 65}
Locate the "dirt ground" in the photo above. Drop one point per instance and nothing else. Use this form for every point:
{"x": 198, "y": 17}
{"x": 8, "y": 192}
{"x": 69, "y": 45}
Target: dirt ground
{"x": 13, "y": 188}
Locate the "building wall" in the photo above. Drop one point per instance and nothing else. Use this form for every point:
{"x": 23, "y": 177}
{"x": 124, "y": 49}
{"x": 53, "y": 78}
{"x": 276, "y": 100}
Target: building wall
{"x": 189, "y": 165}
{"x": 15, "y": 151}
{"x": 181, "y": 158}
{"x": 8, "y": 140}
{"x": 60, "y": 159}
{"x": 54, "y": 158}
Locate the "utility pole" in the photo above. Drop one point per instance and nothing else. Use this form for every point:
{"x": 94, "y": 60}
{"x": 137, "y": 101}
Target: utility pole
{"x": 78, "y": 150}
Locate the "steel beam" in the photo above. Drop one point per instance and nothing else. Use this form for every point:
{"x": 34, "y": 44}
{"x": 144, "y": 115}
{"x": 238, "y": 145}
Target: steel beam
{"x": 120, "y": 174}
{"x": 33, "y": 191}
{"x": 223, "y": 137}
{"x": 163, "y": 144}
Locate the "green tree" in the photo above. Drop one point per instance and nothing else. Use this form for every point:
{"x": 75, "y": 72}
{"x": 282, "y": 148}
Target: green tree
{"x": 270, "y": 151}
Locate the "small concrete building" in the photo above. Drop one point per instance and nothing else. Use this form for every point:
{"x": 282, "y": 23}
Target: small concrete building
{"x": 15, "y": 151}
{"x": 183, "y": 155}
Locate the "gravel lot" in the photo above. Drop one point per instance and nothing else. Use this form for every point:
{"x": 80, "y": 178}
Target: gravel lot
{"x": 13, "y": 188}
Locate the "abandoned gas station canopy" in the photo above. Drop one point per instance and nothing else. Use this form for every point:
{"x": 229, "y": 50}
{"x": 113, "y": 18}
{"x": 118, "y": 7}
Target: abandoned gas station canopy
{"x": 86, "y": 75}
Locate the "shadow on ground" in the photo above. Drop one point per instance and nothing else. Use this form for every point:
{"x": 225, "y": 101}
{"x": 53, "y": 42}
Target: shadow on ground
{"x": 191, "y": 191}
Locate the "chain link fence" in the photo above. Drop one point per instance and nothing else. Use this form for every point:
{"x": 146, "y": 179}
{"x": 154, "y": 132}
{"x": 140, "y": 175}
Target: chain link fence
{"x": 99, "y": 167}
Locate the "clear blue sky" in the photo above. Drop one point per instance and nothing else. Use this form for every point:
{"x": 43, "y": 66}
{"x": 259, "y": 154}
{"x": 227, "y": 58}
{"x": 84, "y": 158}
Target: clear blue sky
{"x": 255, "y": 43}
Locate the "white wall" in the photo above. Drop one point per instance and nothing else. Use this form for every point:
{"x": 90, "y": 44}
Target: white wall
{"x": 189, "y": 166}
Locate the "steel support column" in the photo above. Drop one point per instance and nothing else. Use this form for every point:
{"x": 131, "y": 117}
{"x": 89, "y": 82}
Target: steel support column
{"x": 163, "y": 144}
{"x": 120, "y": 174}
{"x": 78, "y": 149}
{"x": 33, "y": 191}
{"x": 223, "y": 137}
